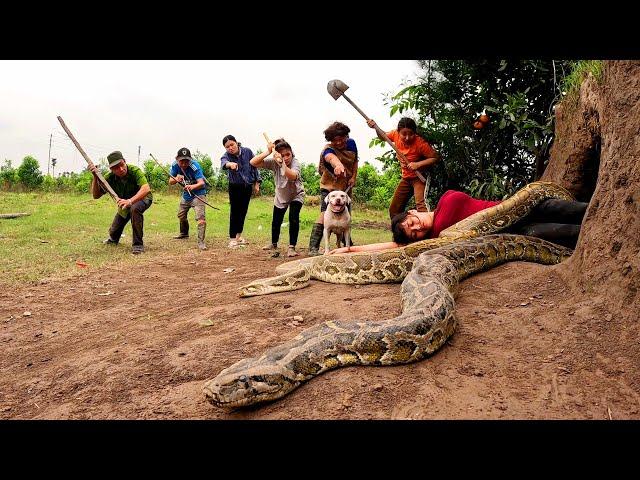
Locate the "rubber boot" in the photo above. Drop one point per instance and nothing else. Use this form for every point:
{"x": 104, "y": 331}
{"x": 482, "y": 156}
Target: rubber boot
{"x": 202, "y": 228}
{"x": 315, "y": 239}
{"x": 184, "y": 229}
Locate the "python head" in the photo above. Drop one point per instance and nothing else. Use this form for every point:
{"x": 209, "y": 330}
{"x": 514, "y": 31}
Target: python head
{"x": 238, "y": 386}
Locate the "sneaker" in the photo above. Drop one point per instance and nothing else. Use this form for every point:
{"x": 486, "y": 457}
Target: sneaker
{"x": 137, "y": 249}
{"x": 242, "y": 241}
{"x": 202, "y": 246}
{"x": 291, "y": 252}
{"x": 233, "y": 243}
{"x": 181, "y": 235}
{"x": 270, "y": 246}
{"x": 109, "y": 241}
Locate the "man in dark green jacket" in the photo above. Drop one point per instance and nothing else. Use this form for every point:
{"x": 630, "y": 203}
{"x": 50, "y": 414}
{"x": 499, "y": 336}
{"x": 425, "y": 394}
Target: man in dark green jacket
{"x": 131, "y": 186}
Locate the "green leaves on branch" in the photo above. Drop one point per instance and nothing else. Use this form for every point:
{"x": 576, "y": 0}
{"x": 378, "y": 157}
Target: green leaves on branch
{"x": 498, "y": 156}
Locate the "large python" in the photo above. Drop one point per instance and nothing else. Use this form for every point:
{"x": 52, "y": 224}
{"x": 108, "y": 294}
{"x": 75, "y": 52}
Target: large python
{"x": 392, "y": 266}
{"x": 426, "y": 322}
{"x": 427, "y": 318}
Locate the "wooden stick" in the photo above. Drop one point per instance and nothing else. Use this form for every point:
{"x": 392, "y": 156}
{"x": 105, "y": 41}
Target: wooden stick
{"x": 97, "y": 173}
{"x": 181, "y": 183}
{"x": 384, "y": 136}
{"x": 282, "y": 166}
{"x": 13, "y": 215}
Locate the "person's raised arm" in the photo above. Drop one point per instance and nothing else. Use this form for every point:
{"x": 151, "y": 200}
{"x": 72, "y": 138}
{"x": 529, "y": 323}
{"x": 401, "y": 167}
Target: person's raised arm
{"x": 371, "y": 122}
{"x": 258, "y": 160}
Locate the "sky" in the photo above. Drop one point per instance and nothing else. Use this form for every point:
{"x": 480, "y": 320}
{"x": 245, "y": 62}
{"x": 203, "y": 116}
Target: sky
{"x": 163, "y": 105}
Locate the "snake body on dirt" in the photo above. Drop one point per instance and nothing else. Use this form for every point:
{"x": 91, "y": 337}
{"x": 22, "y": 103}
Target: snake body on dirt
{"x": 392, "y": 265}
{"x": 431, "y": 269}
{"x": 426, "y": 322}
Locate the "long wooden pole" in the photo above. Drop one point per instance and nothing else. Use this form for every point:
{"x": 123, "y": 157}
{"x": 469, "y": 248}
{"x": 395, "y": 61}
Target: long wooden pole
{"x": 97, "y": 173}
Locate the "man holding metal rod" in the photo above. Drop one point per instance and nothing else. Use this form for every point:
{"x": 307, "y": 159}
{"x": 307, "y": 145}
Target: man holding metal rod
{"x": 187, "y": 171}
{"x": 134, "y": 197}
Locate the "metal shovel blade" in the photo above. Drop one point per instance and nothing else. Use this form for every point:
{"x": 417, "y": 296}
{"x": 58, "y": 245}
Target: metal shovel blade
{"x": 336, "y": 88}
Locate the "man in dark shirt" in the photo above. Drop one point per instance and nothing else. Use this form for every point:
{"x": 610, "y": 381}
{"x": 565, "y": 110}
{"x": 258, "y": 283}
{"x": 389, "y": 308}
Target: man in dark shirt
{"x": 131, "y": 186}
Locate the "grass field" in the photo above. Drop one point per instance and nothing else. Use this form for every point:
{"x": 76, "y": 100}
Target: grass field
{"x": 64, "y": 229}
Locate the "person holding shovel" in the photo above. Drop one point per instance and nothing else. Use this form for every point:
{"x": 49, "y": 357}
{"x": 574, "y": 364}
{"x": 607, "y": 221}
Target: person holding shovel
{"x": 338, "y": 168}
{"x": 289, "y": 192}
{"x": 132, "y": 188}
{"x": 187, "y": 171}
{"x": 414, "y": 154}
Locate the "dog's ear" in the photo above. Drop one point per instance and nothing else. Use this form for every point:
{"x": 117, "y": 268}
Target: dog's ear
{"x": 326, "y": 199}
{"x": 348, "y": 199}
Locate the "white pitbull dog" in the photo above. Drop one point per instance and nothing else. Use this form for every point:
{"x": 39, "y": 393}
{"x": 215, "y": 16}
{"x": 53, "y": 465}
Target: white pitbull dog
{"x": 337, "y": 218}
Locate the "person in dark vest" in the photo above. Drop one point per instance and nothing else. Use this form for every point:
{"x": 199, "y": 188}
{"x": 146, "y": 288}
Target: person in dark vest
{"x": 186, "y": 170}
{"x": 338, "y": 168}
{"x": 131, "y": 186}
{"x": 244, "y": 179}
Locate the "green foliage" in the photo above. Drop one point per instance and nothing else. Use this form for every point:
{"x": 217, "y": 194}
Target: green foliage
{"x": 268, "y": 186}
{"x": 580, "y": 69}
{"x": 156, "y": 176}
{"x": 517, "y": 95}
{"x": 492, "y": 187}
{"x": 8, "y": 175}
{"x": 205, "y": 162}
{"x": 310, "y": 179}
{"x": 29, "y": 173}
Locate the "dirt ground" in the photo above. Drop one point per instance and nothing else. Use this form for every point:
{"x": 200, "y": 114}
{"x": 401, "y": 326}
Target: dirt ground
{"x": 525, "y": 348}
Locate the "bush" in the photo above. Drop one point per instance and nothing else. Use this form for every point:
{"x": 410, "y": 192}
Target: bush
{"x": 310, "y": 179}
{"x": 29, "y": 173}
{"x": 8, "y": 175}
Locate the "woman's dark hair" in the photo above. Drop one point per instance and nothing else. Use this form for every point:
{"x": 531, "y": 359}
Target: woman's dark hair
{"x": 281, "y": 144}
{"x": 396, "y": 227}
{"x": 406, "y": 122}
{"x": 336, "y": 129}
{"x": 227, "y": 138}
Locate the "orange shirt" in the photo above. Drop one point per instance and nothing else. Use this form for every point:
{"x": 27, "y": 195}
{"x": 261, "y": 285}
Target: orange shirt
{"x": 418, "y": 150}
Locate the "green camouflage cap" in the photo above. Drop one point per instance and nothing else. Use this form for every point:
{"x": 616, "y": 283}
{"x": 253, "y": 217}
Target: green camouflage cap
{"x": 114, "y": 158}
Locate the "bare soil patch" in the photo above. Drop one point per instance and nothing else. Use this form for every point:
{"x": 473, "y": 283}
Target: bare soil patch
{"x": 139, "y": 344}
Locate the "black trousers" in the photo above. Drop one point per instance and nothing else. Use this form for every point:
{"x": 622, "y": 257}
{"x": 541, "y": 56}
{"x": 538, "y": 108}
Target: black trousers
{"x": 555, "y": 220}
{"x": 239, "y": 197}
{"x": 136, "y": 215}
{"x": 294, "y": 222}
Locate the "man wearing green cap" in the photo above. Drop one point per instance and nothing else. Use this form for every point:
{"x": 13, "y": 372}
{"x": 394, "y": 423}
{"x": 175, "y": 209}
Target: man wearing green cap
{"x": 132, "y": 188}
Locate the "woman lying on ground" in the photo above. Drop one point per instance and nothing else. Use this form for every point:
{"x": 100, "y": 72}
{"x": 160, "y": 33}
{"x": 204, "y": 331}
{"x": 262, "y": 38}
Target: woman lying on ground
{"x": 555, "y": 220}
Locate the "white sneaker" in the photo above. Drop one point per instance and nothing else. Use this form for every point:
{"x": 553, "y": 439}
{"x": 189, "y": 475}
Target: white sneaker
{"x": 233, "y": 243}
{"x": 241, "y": 241}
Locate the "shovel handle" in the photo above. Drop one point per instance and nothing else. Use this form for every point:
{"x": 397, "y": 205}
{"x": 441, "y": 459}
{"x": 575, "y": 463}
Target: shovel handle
{"x": 282, "y": 169}
{"x": 382, "y": 134}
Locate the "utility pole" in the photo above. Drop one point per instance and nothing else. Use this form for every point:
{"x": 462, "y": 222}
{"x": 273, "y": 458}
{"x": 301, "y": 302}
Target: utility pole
{"x": 49, "y": 161}
{"x": 138, "y": 155}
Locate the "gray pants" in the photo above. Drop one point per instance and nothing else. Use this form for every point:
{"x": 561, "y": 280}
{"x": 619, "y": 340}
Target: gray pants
{"x": 183, "y": 210}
